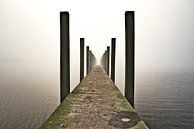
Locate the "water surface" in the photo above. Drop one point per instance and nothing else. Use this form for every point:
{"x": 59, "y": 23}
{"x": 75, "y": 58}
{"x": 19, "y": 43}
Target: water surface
{"x": 29, "y": 93}
{"x": 165, "y": 100}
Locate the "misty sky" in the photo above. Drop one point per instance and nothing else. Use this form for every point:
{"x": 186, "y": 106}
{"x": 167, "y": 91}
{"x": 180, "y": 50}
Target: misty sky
{"x": 164, "y": 31}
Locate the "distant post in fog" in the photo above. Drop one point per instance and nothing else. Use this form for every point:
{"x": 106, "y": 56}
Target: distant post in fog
{"x": 81, "y": 58}
{"x": 87, "y": 59}
{"x": 90, "y": 60}
{"x": 113, "y": 51}
{"x": 108, "y": 53}
{"x": 105, "y": 60}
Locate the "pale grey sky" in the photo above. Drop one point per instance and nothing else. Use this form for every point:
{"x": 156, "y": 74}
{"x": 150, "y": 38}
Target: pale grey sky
{"x": 164, "y": 31}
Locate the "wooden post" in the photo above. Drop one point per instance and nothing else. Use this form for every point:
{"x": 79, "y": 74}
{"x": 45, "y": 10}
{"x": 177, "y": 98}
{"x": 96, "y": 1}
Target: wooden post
{"x": 81, "y": 58}
{"x": 113, "y": 46}
{"x": 102, "y": 61}
{"x": 64, "y": 56}
{"x": 87, "y": 60}
{"x": 106, "y": 61}
{"x": 108, "y": 58}
{"x": 129, "y": 56}
{"x": 94, "y": 60}
{"x": 90, "y": 60}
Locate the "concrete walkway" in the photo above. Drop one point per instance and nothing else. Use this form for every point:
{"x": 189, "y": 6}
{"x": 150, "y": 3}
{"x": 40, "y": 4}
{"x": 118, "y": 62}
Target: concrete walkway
{"x": 95, "y": 103}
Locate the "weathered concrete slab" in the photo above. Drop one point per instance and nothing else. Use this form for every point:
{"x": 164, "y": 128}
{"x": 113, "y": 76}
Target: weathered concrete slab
{"x": 96, "y": 103}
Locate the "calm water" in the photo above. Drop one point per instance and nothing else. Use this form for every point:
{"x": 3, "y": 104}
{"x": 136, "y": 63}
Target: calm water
{"x": 165, "y": 100}
{"x": 29, "y": 95}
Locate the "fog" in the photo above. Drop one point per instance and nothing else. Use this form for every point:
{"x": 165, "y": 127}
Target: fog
{"x": 164, "y": 31}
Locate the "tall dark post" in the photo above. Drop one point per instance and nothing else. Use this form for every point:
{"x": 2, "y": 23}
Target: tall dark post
{"x": 64, "y": 56}
{"x": 108, "y": 56}
{"x": 81, "y": 58}
{"x": 88, "y": 59}
{"x": 129, "y": 56}
{"x": 113, "y": 45}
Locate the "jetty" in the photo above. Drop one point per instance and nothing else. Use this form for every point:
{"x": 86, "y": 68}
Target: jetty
{"x": 96, "y": 102}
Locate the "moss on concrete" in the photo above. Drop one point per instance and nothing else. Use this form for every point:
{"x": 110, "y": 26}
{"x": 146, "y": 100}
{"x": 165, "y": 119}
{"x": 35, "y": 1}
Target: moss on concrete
{"x": 141, "y": 125}
{"x": 95, "y": 102}
{"x": 127, "y": 107}
{"x": 60, "y": 115}
{"x": 124, "y": 103}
